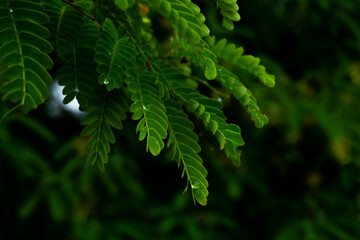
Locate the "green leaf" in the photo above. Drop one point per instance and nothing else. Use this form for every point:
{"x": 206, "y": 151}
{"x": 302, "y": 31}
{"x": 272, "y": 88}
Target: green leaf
{"x": 244, "y": 96}
{"x": 229, "y": 8}
{"x": 65, "y": 24}
{"x": 232, "y": 54}
{"x": 78, "y": 74}
{"x": 185, "y": 148}
{"x": 122, "y": 4}
{"x": 209, "y": 112}
{"x": 184, "y": 16}
{"x": 149, "y": 107}
{"x": 23, "y": 55}
{"x": 229, "y": 52}
{"x": 112, "y": 56}
{"x": 210, "y": 69}
{"x": 105, "y": 111}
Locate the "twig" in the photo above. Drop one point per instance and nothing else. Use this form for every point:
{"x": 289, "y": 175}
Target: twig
{"x": 148, "y": 63}
{"x": 79, "y": 9}
{"x": 207, "y": 84}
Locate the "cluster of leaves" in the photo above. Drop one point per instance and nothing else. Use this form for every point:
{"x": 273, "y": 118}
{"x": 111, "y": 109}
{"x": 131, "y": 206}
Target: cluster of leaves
{"x": 107, "y": 58}
{"x": 299, "y": 181}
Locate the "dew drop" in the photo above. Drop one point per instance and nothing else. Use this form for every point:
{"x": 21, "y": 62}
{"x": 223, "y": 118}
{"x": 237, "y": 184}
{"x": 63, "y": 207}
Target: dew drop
{"x": 219, "y": 99}
{"x": 196, "y": 185}
{"x": 76, "y": 90}
{"x": 106, "y": 81}
{"x": 109, "y": 53}
{"x": 147, "y": 107}
{"x": 220, "y": 70}
{"x": 19, "y": 63}
{"x": 11, "y": 10}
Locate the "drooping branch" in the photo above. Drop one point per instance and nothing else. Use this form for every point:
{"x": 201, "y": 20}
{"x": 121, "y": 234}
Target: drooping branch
{"x": 79, "y": 9}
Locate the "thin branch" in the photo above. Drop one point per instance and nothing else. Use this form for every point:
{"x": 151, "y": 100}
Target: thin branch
{"x": 79, "y": 9}
{"x": 148, "y": 63}
{"x": 207, "y": 84}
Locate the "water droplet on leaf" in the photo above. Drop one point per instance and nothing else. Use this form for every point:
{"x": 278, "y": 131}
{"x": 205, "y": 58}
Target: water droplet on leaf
{"x": 11, "y": 10}
{"x": 219, "y": 99}
{"x": 76, "y": 90}
{"x": 106, "y": 81}
{"x": 195, "y": 185}
{"x": 147, "y": 107}
{"x": 109, "y": 53}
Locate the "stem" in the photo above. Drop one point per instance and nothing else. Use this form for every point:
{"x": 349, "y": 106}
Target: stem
{"x": 79, "y": 9}
{"x": 148, "y": 63}
{"x": 207, "y": 84}
{"x": 179, "y": 97}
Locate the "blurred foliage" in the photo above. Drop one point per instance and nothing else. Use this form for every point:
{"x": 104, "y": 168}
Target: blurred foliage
{"x": 300, "y": 177}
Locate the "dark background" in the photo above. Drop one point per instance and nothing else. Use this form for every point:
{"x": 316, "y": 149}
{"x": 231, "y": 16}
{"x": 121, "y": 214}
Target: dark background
{"x": 300, "y": 174}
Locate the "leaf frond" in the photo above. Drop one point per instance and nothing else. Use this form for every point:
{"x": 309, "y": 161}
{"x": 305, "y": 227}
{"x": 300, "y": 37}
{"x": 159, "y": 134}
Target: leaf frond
{"x": 24, "y": 53}
{"x": 65, "y": 24}
{"x": 184, "y": 16}
{"x": 251, "y": 64}
{"x": 184, "y": 144}
{"x": 209, "y": 111}
{"x": 229, "y": 10}
{"x": 113, "y": 54}
{"x": 78, "y": 74}
{"x": 105, "y": 112}
{"x": 149, "y": 108}
{"x": 231, "y": 82}
{"x": 199, "y": 54}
